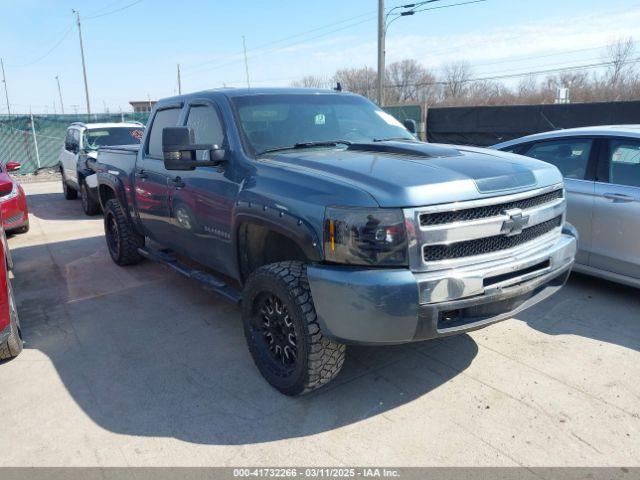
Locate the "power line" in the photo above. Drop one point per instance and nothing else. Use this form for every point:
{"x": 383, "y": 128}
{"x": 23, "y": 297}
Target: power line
{"x": 534, "y": 57}
{"x": 297, "y": 35}
{"x": 129, "y": 5}
{"x": 449, "y": 6}
{"x": 239, "y": 60}
{"x": 48, "y": 52}
{"x": 515, "y": 75}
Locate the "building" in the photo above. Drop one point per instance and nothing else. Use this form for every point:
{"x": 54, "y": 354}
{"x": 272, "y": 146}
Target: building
{"x": 142, "y": 106}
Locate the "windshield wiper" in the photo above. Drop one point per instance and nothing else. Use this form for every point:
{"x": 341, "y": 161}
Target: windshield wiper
{"x": 396, "y": 139}
{"x": 324, "y": 143}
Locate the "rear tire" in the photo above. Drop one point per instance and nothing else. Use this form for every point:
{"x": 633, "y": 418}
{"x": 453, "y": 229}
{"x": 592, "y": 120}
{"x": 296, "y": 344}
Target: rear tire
{"x": 89, "y": 205}
{"x": 12, "y": 346}
{"x": 23, "y": 229}
{"x": 282, "y": 330}
{"x": 123, "y": 241}
{"x": 70, "y": 193}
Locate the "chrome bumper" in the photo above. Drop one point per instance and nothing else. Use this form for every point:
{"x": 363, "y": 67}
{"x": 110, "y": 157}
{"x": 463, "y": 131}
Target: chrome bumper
{"x": 489, "y": 277}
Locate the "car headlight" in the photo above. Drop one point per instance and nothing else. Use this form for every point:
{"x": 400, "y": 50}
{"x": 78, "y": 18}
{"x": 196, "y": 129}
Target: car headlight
{"x": 365, "y": 236}
{"x": 12, "y": 194}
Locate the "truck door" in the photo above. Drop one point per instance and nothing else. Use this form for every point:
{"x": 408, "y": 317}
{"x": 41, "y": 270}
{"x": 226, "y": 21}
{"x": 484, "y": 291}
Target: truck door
{"x": 152, "y": 179}
{"x": 616, "y": 219}
{"x": 69, "y": 155}
{"x": 202, "y": 199}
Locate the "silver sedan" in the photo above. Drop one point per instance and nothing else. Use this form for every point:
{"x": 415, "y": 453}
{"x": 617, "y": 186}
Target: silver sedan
{"x": 601, "y": 167}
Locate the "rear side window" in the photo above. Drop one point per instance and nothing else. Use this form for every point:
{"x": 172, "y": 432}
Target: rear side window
{"x": 207, "y": 128}
{"x": 570, "y": 155}
{"x": 162, "y": 119}
{"x": 624, "y": 162}
{"x": 68, "y": 140}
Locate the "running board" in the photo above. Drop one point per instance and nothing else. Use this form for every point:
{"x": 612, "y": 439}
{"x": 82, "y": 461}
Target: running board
{"x": 208, "y": 280}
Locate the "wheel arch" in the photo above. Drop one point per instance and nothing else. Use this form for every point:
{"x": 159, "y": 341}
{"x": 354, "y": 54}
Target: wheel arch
{"x": 261, "y": 240}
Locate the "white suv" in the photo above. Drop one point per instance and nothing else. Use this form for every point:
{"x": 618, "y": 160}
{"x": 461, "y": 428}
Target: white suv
{"x": 79, "y": 153}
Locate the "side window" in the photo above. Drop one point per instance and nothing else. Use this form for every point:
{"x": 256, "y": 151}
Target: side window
{"x": 570, "y": 155}
{"x": 68, "y": 140}
{"x": 207, "y": 128}
{"x": 624, "y": 162}
{"x": 162, "y": 119}
{"x": 512, "y": 149}
{"x": 76, "y": 138}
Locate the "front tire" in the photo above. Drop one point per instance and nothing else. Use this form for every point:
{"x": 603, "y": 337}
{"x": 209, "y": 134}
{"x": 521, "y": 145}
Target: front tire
{"x": 282, "y": 331}
{"x": 89, "y": 205}
{"x": 12, "y": 346}
{"x": 123, "y": 241}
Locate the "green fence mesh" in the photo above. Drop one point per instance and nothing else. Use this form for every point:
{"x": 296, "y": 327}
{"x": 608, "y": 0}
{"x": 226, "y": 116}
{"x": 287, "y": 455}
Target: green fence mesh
{"x": 35, "y": 141}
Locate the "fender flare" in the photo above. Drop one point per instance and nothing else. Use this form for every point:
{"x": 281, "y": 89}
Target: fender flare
{"x": 282, "y": 222}
{"x": 111, "y": 181}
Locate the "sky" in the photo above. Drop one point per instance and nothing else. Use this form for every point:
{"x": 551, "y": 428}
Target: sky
{"x": 133, "y": 47}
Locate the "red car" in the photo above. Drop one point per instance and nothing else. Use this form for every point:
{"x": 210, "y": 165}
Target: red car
{"x": 13, "y": 201}
{"x": 10, "y": 336}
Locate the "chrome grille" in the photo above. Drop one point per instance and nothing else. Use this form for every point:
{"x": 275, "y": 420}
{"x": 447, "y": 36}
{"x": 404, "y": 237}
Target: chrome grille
{"x": 450, "y": 235}
{"x": 436, "y": 253}
{"x": 467, "y": 214}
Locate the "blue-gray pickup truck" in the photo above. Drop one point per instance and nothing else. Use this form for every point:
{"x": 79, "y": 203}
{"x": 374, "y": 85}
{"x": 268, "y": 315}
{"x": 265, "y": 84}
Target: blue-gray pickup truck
{"x": 331, "y": 225}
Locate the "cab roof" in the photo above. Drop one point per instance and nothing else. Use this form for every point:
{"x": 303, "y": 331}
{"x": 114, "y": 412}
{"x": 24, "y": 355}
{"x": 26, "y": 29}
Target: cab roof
{"x": 240, "y": 92}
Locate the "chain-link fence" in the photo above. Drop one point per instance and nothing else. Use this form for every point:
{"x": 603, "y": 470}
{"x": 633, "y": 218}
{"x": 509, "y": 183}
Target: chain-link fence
{"x": 35, "y": 140}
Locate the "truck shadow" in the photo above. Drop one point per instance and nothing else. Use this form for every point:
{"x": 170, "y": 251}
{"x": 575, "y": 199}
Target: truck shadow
{"x": 591, "y": 308}
{"x": 53, "y": 206}
{"x": 145, "y": 352}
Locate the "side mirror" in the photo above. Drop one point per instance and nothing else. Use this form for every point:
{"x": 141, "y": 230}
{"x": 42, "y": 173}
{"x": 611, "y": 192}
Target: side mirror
{"x": 410, "y": 125}
{"x": 13, "y": 166}
{"x": 6, "y": 186}
{"x": 179, "y": 150}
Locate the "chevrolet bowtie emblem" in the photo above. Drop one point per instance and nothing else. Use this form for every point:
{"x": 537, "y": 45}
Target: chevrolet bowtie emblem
{"x": 516, "y": 222}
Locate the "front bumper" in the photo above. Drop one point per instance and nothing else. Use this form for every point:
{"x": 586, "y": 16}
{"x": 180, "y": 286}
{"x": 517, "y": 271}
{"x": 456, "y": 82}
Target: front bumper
{"x": 392, "y": 306}
{"x": 14, "y": 213}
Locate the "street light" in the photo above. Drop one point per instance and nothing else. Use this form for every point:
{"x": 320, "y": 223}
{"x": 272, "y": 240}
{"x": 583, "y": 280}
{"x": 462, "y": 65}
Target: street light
{"x": 383, "y": 25}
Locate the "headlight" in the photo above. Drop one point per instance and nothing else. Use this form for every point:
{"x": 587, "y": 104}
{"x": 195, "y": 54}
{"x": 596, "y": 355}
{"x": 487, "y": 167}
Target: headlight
{"x": 365, "y": 236}
{"x": 12, "y": 194}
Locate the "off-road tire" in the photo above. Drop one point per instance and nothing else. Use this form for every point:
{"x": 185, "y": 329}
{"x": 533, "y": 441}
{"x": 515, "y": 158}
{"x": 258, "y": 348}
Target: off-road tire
{"x": 70, "y": 193}
{"x": 12, "y": 345}
{"x": 89, "y": 205}
{"x": 123, "y": 241}
{"x": 318, "y": 360}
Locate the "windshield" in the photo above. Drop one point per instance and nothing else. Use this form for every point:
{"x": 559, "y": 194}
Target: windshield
{"x": 282, "y": 121}
{"x": 101, "y": 137}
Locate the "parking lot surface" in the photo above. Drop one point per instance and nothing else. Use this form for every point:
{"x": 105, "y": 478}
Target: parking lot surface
{"x": 138, "y": 366}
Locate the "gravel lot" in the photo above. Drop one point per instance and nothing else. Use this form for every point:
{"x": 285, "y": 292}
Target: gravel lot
{"x": 138, "y": 367}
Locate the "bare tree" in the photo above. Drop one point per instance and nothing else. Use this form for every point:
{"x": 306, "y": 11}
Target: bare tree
{"x": 312, "y": 81}
{"x": 408, "y": 81}
{"x": 619, "y": 55}
{"x": 456, "y": 76}
{"x": 358, "y": 80}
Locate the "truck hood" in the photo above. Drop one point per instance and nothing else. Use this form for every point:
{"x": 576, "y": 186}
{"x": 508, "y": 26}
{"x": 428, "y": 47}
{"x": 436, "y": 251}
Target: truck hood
{"x": 399, "y": 174}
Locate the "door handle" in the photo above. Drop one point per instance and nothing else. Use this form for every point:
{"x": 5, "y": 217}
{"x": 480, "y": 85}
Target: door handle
{"x": 177, "y": 182}
{"x": 141, "y": 173}
{"x": 618, "y": 197}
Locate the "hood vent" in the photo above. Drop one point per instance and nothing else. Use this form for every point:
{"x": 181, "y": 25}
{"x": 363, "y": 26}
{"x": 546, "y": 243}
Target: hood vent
{"x": 423, "y": 150}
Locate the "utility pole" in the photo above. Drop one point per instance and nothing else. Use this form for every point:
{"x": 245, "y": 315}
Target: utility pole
{"x": 60, "y": 94}
{"x": 381, "y": 35}
{"x": 246, "y": 63}
{"x": 4, "y": 80}
{"x": 179, "y": 82}
{"x": 84, "y": 67}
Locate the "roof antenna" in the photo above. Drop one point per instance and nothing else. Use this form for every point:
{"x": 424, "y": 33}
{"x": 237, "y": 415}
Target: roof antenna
{"x": 338, "y": 87}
